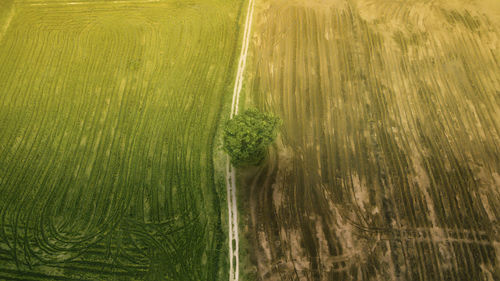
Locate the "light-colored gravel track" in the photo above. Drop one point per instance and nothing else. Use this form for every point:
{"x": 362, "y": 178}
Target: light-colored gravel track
{"x": 230, "y": 171}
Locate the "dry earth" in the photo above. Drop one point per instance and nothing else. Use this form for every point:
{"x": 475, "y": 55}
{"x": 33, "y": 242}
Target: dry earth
{"x": 388, "y": 166}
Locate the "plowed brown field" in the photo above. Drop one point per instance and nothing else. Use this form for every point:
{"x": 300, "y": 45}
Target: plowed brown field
{"x": 388, "y": 166}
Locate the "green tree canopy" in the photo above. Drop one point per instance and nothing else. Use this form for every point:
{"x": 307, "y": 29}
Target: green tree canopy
{"x": 247, "y": 136}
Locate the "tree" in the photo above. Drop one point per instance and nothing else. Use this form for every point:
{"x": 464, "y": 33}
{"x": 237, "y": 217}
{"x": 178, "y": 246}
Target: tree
{"x": 247, "y": 136}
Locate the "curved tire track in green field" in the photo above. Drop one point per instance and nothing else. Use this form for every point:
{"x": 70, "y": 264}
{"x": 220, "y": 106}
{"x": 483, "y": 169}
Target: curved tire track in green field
{"x": 105, "y": 173}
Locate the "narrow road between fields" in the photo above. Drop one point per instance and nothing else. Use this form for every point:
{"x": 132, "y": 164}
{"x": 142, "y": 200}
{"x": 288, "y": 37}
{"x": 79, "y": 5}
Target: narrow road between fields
{"x": 230, "y": 171}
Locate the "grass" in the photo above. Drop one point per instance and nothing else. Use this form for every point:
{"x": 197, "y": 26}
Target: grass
{"x": 6, "y": 14}
{"x": 389, "y": 158}
{"x": 108, "y": 113}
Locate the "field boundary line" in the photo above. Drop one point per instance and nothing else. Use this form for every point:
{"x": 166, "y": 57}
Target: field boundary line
{"x": 234, "y": 270}
{"x": 88, "y": 3}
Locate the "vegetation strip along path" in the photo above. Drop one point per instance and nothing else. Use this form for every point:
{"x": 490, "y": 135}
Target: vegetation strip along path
{"x": 230, "y": 171}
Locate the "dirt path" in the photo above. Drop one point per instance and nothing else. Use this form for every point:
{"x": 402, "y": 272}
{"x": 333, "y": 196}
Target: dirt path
{"x": 230, "y": 171}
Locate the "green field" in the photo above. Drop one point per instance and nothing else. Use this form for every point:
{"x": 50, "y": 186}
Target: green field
{"x": 388, "y": 166}
{"x": 108, "y": 113}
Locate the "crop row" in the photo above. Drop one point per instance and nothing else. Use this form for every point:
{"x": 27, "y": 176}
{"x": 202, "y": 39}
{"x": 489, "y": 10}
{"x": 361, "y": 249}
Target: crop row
{"x": 107, "y": 115}
{"x": 389, "y": 149}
